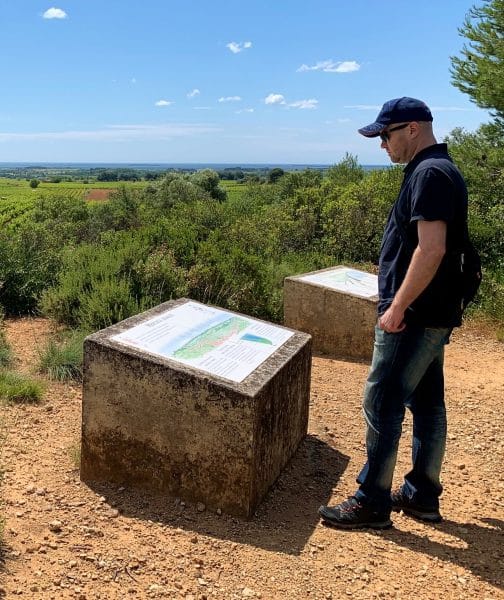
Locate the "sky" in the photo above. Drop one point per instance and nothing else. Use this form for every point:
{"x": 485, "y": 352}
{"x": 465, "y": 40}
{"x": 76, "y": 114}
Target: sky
{"x": 193, "y": 81}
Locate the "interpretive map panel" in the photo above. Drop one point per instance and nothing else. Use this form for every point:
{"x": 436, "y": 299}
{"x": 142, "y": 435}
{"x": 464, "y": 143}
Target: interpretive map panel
{"x": 207, "y": 338}
{"x": 345, "y": 279}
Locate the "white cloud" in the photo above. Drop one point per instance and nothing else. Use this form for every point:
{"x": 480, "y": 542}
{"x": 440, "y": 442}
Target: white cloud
{"x": 117, "y": 133}
{"x": 237, "y": 47}
{"x": 329, "y": 66}
{"x": 244, "y": 110}
{"x": 274, "y": 99}
{"x": 194, "y": 93}
{"x": 311, "y": 103}
{"x": 202, "y": 108}
{"x": 164, "y": 103}
{"x": 54, "y": 13}
{"x": 230, "y": 99}
{"x": 133, "y": 80}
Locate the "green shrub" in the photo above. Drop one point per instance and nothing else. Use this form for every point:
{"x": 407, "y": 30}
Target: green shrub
{"x": 29, "y": 263}
{"x": 61, "y": 359}
{"x": 5, "y": 351}
{"x": 101, "y": 284}
{"x": 109, "y": 301}
{"x": 354, "y": 217}
{"x": 490, "y": 299}
{"x": 158, "y": 278}
{"x": 18, "y": 388}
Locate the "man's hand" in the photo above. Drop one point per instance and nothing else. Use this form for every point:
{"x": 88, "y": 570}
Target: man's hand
{"x": 392, "y": 320}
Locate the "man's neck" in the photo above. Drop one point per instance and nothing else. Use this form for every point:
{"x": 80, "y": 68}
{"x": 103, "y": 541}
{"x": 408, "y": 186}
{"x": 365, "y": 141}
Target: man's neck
{"x": 423, "y": 143}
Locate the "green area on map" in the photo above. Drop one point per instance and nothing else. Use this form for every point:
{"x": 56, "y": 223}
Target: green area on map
{"x": 211, "y": 339}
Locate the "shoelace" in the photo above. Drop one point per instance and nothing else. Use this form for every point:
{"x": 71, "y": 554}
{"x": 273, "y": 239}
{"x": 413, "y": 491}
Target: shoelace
{"x": 350, "y": 505}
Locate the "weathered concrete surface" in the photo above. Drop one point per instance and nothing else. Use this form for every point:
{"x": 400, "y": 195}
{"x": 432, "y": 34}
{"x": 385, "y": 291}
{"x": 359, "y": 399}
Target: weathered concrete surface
{"x": 340, "y": 323}
{"x": 155, "y": 423}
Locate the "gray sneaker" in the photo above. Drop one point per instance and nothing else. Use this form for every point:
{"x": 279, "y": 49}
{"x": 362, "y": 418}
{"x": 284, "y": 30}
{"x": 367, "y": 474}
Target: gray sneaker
{"x": 351, "y": 514}
{"x": 409, "y": 507}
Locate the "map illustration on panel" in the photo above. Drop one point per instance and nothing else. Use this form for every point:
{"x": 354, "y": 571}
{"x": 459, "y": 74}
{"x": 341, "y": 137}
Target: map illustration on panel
{"x": 348, "y": 280}
{"x": 211, "y": 338}
{"x": 207, "y": 338}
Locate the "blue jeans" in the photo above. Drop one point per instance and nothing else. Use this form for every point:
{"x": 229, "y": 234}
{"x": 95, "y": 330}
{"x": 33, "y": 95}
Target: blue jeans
{"x": 406, "y": 371}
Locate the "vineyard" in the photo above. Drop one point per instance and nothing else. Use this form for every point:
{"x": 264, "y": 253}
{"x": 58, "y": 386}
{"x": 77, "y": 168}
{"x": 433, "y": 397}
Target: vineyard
{"x": 17, "y": 198}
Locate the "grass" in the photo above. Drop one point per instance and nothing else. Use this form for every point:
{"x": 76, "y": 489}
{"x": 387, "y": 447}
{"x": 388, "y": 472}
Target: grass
{"x": 17, "y": 388}
{"x": 61, "y": 359}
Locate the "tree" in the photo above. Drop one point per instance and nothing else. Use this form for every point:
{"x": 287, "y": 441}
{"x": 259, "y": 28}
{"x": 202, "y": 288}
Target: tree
{"x": 34, "y": 183}
{"x": 275, "y": 174}
{"x": 208, "y": 180}
{"x": 346, "y": 171}
{"x": 479, "y": 72}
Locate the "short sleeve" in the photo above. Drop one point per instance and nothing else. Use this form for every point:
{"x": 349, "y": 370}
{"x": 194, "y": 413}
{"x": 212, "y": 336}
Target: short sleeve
{"x": 432, "y": 197}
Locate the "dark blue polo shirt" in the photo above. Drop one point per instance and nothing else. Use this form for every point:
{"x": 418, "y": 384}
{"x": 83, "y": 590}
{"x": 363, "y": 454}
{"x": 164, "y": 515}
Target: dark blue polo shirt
{"x": 432, "y": 190}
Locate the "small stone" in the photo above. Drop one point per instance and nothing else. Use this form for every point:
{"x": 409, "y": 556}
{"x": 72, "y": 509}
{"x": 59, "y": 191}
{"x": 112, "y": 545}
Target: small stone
{"x": 248, "y": 593}
{"x": 30, "y": 489}
{"x": 200, "y": 507}
{"x": 41, "y": 491}
{"x": 461, "y": 466}
{"x": 219, "y": 511}
{"x": 55, "y": 526}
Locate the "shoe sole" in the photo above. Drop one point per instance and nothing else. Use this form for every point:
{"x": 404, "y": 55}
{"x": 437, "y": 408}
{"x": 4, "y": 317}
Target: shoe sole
{"x": 418, "y": 514}
{"x": 338, "y": 525}
{"x": 367, "y": 525}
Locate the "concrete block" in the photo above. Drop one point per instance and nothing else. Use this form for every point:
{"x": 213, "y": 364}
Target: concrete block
{"x": 153, "y": 420}
{"x": 337, "y": 307}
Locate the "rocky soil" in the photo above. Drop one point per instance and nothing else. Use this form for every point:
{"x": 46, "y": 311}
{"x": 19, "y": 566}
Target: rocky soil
{"x": 63, "y": 539}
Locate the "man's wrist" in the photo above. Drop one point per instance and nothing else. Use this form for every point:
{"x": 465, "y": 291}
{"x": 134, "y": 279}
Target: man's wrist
{"x": 398, "y": 305}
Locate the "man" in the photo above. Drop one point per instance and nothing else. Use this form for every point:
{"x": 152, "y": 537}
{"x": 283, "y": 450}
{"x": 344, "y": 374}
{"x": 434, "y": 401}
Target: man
{"x": 417, "y": 310}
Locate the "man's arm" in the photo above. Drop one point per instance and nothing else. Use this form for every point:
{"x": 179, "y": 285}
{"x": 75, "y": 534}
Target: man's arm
{"x": 422, "y": 268}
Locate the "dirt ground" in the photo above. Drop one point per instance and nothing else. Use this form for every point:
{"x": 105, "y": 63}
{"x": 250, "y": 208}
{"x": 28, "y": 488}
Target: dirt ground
{"x": 98, "y": 194}
{"x": 63, "y": 539}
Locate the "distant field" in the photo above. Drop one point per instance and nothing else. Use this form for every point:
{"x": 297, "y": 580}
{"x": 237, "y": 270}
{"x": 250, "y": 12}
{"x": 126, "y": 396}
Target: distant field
{"x": 17, "y": 197}
{"x": 233, "y": 188}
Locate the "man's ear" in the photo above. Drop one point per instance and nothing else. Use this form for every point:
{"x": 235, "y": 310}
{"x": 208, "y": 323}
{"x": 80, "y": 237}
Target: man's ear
{"x": 415, "y": 128}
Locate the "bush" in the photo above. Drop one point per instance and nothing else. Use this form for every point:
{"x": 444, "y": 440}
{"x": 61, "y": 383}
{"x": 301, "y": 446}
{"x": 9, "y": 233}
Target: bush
{"x": 29, "y": 263}
{"x": 101, "y": 284}
{"x": 61, "y": 359}
{"x": 109, "y": 301}
{"x": 354, "y": 216}
{"x": 5, "y": 351}
{"x": 18, "y": 388}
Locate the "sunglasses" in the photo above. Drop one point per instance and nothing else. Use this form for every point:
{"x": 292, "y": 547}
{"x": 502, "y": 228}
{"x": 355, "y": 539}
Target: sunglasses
{"x": 385, "y": 136}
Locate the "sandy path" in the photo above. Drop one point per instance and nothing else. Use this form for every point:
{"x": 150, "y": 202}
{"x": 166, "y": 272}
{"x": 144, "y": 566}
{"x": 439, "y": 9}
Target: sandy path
{"x": 115, "y": 543}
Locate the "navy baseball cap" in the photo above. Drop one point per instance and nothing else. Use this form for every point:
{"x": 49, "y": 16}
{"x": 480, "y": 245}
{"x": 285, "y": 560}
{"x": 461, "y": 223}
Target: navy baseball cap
{"x": 398, "y": 110}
